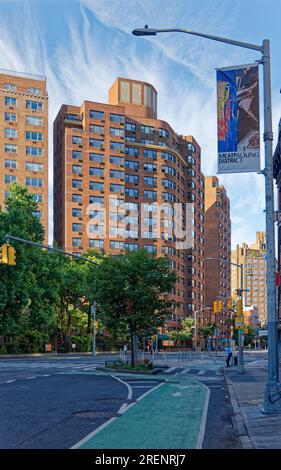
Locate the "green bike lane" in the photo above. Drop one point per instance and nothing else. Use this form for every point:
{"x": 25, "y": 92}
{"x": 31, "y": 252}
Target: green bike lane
{"x": 170, "y": 416}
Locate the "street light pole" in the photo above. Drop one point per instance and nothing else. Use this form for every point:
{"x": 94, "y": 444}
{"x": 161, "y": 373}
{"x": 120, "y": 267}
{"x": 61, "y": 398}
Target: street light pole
{"x": 93, "y": 312}
{"x": 195, "y": 325}
{"x": 272, "y": 398}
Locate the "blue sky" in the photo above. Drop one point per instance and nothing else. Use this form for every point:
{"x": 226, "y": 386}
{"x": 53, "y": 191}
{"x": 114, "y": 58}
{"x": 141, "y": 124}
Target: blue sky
{"x": 82, "y": 46}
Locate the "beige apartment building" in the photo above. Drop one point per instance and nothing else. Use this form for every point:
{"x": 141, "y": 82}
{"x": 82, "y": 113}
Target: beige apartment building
{"x": 24, "y": 137}
{"x": 118, "y": 158}
{"x": 254, "y": 268}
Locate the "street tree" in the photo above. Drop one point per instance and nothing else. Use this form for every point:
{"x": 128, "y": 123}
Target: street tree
{"x": 132, "y": 291}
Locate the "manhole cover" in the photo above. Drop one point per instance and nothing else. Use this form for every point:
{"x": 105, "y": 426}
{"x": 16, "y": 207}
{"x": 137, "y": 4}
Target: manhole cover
{"x": 94, "y": 414}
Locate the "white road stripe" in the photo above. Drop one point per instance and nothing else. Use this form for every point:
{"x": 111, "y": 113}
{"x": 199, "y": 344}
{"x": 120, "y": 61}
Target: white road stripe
{"x": 130, "y": 390}
{"x": 169, "y": 370}
{"x": 78, "y": 444}
{"x": 29, "y": 378}
{"x": 201, "y": 433}
{"x": 202, "y": 372}
{"x": 10, "y": 381}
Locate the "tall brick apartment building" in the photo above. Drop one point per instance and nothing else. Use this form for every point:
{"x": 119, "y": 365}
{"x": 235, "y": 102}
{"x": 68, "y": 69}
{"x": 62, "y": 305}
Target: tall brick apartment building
{"x": 24, "y": 137}
{"x": 119, "y": 155}
{"x": 218, "y": 246}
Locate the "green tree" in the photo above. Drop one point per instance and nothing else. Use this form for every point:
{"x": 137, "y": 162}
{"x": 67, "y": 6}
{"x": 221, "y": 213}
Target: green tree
{"x": 131, "y": 290}
{"x": 27, "y": 290}
{"x": 185, "y": 332}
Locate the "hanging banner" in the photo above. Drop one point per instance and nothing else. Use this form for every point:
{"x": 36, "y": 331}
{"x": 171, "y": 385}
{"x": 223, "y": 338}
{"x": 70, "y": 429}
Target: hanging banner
{"x": 238, "y": 119}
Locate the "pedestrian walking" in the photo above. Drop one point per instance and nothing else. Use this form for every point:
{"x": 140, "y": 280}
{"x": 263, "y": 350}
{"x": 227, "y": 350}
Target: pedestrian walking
{"x": 228, "y": 354}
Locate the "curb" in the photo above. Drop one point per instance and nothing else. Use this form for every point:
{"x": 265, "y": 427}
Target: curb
{"x": 55, "y": 355}
{"x": 238, "y": 420}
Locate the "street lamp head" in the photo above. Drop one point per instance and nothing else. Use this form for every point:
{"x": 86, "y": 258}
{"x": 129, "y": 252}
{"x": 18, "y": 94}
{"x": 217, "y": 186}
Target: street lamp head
{"x": 146, "y": 31}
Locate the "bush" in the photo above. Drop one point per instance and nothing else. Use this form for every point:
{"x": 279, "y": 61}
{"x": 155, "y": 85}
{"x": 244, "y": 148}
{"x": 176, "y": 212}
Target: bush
{"x": 32, "y": 341}
{"x": 3, "y": 349}
{"x": 83, "y": 343}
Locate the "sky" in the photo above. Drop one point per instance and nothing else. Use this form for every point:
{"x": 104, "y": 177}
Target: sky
{"x": 82, "y": 46}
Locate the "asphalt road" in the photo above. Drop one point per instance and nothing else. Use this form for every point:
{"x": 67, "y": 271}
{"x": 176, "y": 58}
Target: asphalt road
{"x": 53, "y": 404}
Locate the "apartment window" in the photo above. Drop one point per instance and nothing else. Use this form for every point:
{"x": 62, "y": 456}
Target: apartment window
{"x": 35, "y": 91}
{"x": 36, "y": 182}
{"x": 191, "y": 147}
{"x": 150, "y": 194}
{"x": 150, "y": 166}
{"x": 132, "y": 165}
{"x": 76, "y": 198}
{"x": 190, "y": 159}
{"x": 130, "y": 138}
{"x": 131, "y": 234}
{"x": 77, "y": 227}
{"x": 131, "y": 246}
{"x": 150, "y": 181}
{"x": 37, "y": 213}
{"x": 30, "y": 166}
{"x": 131, "y": 127}
{"x": 114, "y": 245}
{"x": 96, "y": 171}
{"x": 10, "y": 101}
{"x": 131, "y": 206}
{"x": 10, "y": 132}
{"x": 34, "y": 151}
{"x": 37, "y": 105}
{"x": 163, "y": 133}
{"x": 117, "y": 131}
{"x": 77, "y": 139}
{"x": 119, "y": 146}
{"x": 76, "y": 242}
{"x": 130, "y": 192}
{"x": 147, "y": 130}
{"x": 96, "y": 114}
{"x": 149, "y": 153}
{"x": 168, "y": 197}
{"x": 10, "y": 87}
{"x": 37, "y": 197}
{"x": 168, "y": 184}
{"x": 116, "y": 188}
{"x": 96, "y": 200}
{"x": 11, "y": 117}
{"x": 116, "y": 160}
{"x": 133, "y": 151}
{"x": 76, "y": 154}
{"x": 168, "y": 170}
{"x": 77, "y": 169}
{"x": 168, "y": 157}
{"x": 76, "y": 212}
{"x": 96, "y": 185}
{"x": 147, "y": 141}
{"x": 10, "y": 178}
{"x": 34, "y": 136}
{"x": 117, "y": 118}
{"x": 116, "y": 231}
{"x": 10, "y": 148}
{"x": 96, "y": 157}
{"x": 96, "y": 129}
{"x": 98, "y": 143}
{"x": 151, "y": 248}
{"x": 34, "y": 121}
{"x": 10, "y": 164}
{"x": 134, "y": 179}
{"x": 116, "y": 202}
{"x": 77, "y": 183}
{"x": 96, "y": 243}
{"x": 116, "y": 174}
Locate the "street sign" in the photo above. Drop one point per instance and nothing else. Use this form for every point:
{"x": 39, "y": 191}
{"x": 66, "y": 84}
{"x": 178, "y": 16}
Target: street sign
{"x": 263, "y": 333}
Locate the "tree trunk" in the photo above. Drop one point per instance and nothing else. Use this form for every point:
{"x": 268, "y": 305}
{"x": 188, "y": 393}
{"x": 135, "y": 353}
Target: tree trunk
{"x": 133, "y": 343}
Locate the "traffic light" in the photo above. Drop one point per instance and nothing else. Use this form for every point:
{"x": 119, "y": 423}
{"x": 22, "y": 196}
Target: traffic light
{"x": 216, "y": 306}
{"x": 230, "y": 303}
{"x": 11, "y": 255}
{"x": 239, "y": 308}
{"x": 220, "y": 305}
{"x": 4, "y": 254}
{"x": 8, "y": 254}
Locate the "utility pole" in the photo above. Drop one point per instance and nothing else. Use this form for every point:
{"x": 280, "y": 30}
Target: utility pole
{"x": 93, "y": 313}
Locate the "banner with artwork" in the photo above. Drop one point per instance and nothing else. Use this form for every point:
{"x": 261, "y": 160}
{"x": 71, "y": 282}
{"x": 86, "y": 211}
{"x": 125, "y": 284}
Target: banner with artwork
{"x": 238, "y": 119}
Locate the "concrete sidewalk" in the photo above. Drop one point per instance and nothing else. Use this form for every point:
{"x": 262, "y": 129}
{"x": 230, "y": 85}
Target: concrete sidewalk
{"x": 255, "y": 429}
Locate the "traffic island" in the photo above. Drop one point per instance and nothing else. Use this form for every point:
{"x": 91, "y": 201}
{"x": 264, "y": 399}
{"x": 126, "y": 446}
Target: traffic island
{"x": 124, "y": 367}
